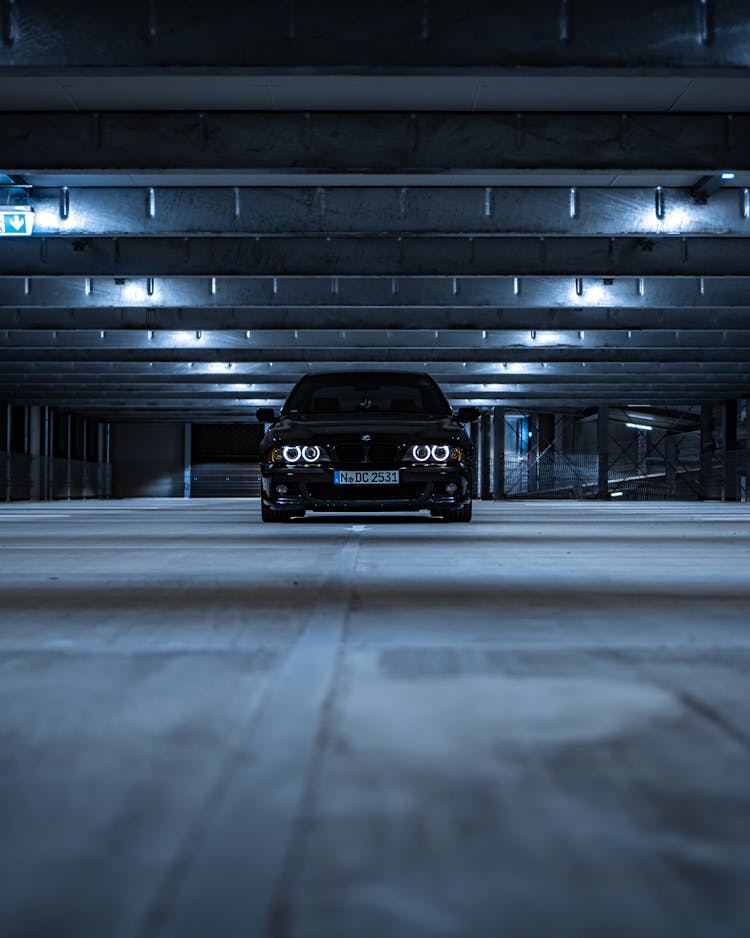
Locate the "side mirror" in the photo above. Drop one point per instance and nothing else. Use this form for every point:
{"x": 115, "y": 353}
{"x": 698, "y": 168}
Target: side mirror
{"x": 265, "y": 414}
{"x": 468, "y": 414}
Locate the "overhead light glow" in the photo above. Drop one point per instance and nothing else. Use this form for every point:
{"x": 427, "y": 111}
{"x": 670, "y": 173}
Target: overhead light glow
{"x": 639, "y": 426}
{"x": 727, "y": 176}
{"x": 616, "y": 494}
{"x": 592, "y": 294}
{"x": 135, "y": 293}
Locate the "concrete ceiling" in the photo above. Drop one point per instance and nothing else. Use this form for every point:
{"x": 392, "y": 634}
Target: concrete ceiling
{"x": 511, "y": 203}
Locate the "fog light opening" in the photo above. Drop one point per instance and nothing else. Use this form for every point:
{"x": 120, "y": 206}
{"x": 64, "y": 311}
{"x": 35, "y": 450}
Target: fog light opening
{"x": 282, "y": 489}
{"x": 451, "y": 488}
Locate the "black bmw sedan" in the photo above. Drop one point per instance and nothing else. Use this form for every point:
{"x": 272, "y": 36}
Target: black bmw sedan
{"x": 366, "y": 441}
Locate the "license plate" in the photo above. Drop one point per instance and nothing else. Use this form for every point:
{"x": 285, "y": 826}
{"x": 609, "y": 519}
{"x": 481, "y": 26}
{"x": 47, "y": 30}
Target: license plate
{"x": 366, "y": 477}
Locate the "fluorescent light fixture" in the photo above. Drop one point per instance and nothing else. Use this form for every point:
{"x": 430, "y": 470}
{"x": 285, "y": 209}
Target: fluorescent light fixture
{"x": 639, "y": 426}
{"x": 616, "y": 494}
{"x": 727, "y": 176}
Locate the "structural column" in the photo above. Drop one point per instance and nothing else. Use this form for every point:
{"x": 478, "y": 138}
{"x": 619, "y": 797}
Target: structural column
{"x": 188, "y": 461}
{"x": 498, "y": 452}
{"x": 730, "y": 455}
{"x": 670, "y": 459}
{"x": 107, "y": 461}
{"x": 100, "y": 470}
{"x": 708, "y": 448}
{"x": 6, "y": 442}
{"x": 485, "y": 476}
{"x": 602, "y": 439}
{"x": 546, "y": 449}
{"x": 69, "y": 456}
{"x": 533, "y": 456}
{"x": 35, "y": 452}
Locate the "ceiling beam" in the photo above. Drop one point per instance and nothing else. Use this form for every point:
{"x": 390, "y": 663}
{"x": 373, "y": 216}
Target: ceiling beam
{"x": 410, "y": 36}
{"x": 449, "y": 317}
{"x": 342, "y": 293}
{"x": 384, "y": 356}
{"x": 445, "y": 372}
{"x": 191, "y": 409}
{"x": 375, "y": 142}
{"x": 377, "y": 255}
{"x": 542, "y": 342}
{"x": 477, "y": 210}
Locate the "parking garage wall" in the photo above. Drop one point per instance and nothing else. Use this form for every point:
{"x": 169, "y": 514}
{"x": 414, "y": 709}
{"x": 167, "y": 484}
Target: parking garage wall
{"x": 48, "y": 454}
{"x": 148, "y": 460}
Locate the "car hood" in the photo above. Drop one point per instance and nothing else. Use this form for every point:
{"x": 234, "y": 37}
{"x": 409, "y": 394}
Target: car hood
{"x": 396, "y": 428}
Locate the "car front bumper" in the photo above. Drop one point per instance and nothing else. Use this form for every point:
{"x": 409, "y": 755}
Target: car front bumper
{"x": 313, "y": 489}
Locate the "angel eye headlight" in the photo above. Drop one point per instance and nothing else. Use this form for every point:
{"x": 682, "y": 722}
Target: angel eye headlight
{"x": 291, "y": 453}
{"x": 311, "y": 453}
{"x": 420, "y": 452}
{"x": 440, "y": 453}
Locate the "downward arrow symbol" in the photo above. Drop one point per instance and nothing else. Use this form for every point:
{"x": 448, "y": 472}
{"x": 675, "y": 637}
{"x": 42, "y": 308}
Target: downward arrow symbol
{"x": 17, "y": 221}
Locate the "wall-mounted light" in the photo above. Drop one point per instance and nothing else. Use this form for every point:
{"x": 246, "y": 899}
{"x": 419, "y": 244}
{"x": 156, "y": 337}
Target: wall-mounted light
{"x": 728, "y": 175}
{"x": 639, "y": 426}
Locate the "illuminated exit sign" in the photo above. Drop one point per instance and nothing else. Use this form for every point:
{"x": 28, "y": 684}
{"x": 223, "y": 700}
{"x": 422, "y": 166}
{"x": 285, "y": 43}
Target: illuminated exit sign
{"x": 16, "y": 221}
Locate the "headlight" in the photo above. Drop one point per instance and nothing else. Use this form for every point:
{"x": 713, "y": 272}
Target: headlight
{"x": 311, "y": 453}
{"x": 299, "y": 454}
{"x": 291, "y": 453}
{"x": 435, "y": 452}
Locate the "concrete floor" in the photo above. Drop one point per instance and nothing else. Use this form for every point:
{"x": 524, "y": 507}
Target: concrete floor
{"x": 537, "y": 724}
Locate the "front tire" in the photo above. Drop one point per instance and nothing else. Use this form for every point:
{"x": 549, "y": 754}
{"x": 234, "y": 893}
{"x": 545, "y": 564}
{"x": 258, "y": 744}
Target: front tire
{"x": 458, "y": 514}
{"x": 273, "y": 515}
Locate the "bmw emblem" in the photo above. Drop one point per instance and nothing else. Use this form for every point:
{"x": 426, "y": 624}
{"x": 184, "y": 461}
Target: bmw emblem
{"x": 366, "y": 437}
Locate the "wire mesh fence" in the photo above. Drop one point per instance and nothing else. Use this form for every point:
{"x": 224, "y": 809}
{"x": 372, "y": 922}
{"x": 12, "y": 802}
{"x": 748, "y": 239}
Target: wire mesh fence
{"x": 224, "y": 479}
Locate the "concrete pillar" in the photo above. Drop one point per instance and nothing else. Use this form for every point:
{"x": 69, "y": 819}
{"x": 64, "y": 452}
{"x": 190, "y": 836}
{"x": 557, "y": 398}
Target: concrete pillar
{"x": 69, "y": 456}
{"x": 485, "y": 466}
{"x": 107, "y": 461}
{"x": 35, "y": 451}
{"x": 473, "y": 431}
{"x": 670, "y": 459}
{"x": 602, "y": 439}
{"x": 533, "y": 423}
{"x": 743, "y": 457}
{"x": 498, "y": 452}
{"x": 730, "y": 451}
{"x": 84, "y": 456}
{"x": 188, "y": 463}
{"x": 47, "y": 454}
{"x": 708, "y": 447}
{"x": 100, "y": 467}
{"x": 546, "y": 449}
{"x": 6, "y": 443}
{"x": 568, "y": 434}
{"x": 642, "y": 451}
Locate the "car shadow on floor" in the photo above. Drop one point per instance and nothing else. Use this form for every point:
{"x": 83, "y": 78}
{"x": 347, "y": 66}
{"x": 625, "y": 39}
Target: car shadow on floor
{"x": 365, "y": 519}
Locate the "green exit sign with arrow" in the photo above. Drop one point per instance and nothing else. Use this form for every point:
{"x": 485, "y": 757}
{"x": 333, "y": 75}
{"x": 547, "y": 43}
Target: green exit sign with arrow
{"x": 15, "y": 222}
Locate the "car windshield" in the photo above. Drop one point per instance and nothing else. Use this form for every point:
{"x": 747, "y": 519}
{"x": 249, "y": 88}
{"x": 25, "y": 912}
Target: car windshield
{"x": 373, "y": 393}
